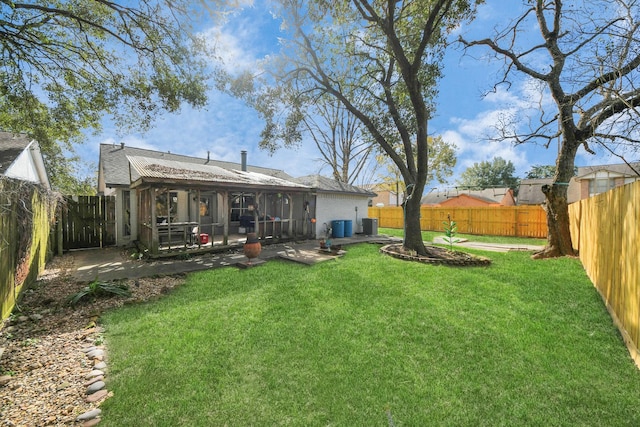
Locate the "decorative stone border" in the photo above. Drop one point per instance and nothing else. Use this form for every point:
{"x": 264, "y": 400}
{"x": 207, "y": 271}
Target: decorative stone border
{"x": 448, "y": 257}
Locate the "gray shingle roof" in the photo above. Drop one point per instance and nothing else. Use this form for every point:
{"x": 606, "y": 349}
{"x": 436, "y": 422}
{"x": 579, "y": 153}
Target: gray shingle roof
{"x": 11, "y": 145}
{"x": 323, "y": 184}
{"x": 622, "y": 169}
{"x": 115, "y": 166}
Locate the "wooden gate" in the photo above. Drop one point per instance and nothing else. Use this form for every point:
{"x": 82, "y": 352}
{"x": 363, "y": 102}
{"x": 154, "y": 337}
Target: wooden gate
{"x": 88, "y": 222}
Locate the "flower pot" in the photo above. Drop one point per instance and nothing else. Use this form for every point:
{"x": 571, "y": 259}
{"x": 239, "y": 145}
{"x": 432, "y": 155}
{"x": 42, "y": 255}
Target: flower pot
{"x": 252, "y": 246}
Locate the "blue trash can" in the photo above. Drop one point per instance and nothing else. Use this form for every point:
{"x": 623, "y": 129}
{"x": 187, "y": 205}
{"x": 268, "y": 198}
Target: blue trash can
{"x": 348, "y": 228}
{"x": 337, "y": 228}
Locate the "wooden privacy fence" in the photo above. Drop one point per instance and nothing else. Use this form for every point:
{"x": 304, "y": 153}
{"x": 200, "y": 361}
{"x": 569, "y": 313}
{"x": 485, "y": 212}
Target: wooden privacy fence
{"x": 88, "y": 222}
{"x": 26, "y": 215}
{"x": 605, "y": 229}
{"x": 517, "y": 221}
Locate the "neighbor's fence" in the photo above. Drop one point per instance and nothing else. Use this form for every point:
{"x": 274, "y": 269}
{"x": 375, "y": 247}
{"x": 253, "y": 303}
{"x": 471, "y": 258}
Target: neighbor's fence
{"x": 26, "y": 215}
{"x": 605, "y": 229}
{"x": 517, "y": 221}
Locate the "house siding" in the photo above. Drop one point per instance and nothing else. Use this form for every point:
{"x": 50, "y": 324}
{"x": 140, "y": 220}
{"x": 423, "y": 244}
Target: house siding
{"x": 332, "y": 207}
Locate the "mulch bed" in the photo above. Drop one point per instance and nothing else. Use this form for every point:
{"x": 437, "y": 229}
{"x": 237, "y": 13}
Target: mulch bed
{"x": 435, "y": 255}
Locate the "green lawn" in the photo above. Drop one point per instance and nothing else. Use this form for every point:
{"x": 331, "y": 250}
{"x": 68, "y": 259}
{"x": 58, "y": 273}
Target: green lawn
{"x": 428, "y": 236}
{"x": 369, "y": 340}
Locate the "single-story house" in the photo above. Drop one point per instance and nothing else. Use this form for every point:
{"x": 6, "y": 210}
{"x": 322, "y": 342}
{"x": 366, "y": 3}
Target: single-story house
{"x": 20, "y": 158}
{"x": 470, "y": 198}
{"x": 168, "y": 201}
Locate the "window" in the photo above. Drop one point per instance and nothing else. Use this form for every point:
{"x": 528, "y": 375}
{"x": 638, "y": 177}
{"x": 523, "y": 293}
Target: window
{"x": 600, "y": 185}
{"x": 242, "y": 204}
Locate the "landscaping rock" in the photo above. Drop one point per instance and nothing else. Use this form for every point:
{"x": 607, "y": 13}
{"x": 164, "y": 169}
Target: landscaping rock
{"x": 97, "y": 396}
{"x": 98, "y": 385}
{"x": 100, "y": 365}
{"x": 4, "y": 380}
{"x": 89, "y": 415}
{"x": 94, "y": 373}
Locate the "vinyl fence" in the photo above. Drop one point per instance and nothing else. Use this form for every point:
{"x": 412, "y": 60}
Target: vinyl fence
{"x": 516, "y": 221}
{"x": 606, "y": 231}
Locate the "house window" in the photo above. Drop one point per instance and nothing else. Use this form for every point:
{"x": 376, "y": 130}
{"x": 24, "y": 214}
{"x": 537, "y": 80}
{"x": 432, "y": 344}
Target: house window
{"x": 600, "y": 185}
{"x": 242, "y": 204}
{"x": 126, "y": 213}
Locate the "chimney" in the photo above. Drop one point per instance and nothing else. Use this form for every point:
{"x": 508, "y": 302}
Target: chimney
{"x": 243, "y": 155}
{"x": 208, "y": 156}
{"x": 122, "y": 145}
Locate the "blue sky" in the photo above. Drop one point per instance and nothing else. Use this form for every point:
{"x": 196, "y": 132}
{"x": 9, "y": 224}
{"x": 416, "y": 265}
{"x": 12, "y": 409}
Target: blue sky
{"x": 226, "y": 126}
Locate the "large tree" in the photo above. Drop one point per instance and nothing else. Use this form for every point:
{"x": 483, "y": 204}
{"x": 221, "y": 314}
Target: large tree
{"x": 487, "y": 174}
{"x": 380, "y": 60}
{"x": 586, "y": 59}
{"x": 66, "y": 64}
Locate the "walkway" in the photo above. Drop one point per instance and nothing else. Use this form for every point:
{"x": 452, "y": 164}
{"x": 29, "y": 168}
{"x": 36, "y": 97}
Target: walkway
{"x": 113, "y": 263}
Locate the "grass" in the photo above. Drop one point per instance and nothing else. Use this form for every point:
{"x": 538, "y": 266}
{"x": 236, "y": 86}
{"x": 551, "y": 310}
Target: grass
{"x": 368, "y": 340}
{"x": 428, "y": 236}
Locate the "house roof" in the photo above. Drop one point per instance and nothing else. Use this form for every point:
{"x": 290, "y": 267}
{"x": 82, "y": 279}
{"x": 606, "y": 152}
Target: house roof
{"x": 114, "y": 165}
{"x": 21, "y": 158}
{"x": 327, "y": 185}
{"x": 489, "y": 195}
{"x": 11, "y": 145}
{"x": 147, "y": 169}
{"x": 619, "y": 169}
{"x": 530, "y": 191}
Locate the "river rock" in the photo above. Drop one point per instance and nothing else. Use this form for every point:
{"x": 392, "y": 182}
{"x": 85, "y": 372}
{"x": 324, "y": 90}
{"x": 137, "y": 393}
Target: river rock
{"x": 89, "y": 415}
{"x": 98, "y": 385}
{"x": 94, "y": 373}
{"x": 98, "y": 395}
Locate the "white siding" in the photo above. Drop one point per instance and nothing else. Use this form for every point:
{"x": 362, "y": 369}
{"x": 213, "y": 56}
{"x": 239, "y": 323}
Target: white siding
{"x": 24, "y": 168}
{"x": 331, "y": 207}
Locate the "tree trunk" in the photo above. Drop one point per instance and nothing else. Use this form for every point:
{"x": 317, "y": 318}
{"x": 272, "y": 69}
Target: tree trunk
{"x": 559, "y": 232}
{"x": 559, "y": 236}
{"x": 412, "y": 232}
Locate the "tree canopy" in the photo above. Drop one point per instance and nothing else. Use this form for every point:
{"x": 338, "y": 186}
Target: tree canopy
{"x": 487, "y": 174}
{"x": 67, "y": 64}
{"x": 379, "y": 59}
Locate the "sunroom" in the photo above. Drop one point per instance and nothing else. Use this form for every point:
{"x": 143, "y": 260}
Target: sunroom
{"x": 193, "y": 207}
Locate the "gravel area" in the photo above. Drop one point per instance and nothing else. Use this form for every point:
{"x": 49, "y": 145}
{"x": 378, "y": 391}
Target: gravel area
{"x": 44, "y": 372}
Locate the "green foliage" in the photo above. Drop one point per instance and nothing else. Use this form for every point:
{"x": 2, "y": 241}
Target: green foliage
{"x": 450, "y": 231}
{"x": 486, "y": 174}
{"x": 66, "y": 64}
{"x": 544, "y": 171}
{"x": 97, "y": 289}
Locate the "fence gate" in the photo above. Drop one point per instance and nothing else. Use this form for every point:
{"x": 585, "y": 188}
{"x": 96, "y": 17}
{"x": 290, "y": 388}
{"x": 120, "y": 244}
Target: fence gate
{"x": 88, "y": 222}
